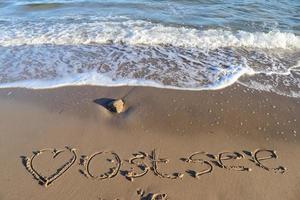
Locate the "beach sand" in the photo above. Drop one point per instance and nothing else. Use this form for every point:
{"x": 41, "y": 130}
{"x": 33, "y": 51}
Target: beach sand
{"x": 158, "y": 125}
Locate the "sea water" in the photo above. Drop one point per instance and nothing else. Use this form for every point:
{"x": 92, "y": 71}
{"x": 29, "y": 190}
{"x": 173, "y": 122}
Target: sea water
{"x": 180, "y": 44}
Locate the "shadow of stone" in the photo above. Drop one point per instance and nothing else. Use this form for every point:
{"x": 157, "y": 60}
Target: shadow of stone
{"x": 105, "y": 102}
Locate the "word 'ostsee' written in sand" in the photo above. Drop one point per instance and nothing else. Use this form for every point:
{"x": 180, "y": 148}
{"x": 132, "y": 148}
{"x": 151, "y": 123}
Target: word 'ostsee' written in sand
{"x": 142, "y": 163}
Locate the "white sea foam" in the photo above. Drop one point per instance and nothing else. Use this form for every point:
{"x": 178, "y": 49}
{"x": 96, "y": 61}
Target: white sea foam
{"x": 118, "y": 64}
{"x": 96, "y": 79}
{"x": 136, "y": 32}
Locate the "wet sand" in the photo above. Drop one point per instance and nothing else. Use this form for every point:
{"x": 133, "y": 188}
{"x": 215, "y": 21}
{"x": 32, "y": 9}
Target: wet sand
{"x": 247, "y": 142}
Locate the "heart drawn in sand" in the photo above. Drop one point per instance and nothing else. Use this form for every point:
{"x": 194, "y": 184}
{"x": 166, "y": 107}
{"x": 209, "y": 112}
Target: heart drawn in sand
{"x": 47, "y": 180}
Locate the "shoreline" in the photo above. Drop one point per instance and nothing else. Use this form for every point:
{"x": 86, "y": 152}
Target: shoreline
{"x": 174, "y": 123}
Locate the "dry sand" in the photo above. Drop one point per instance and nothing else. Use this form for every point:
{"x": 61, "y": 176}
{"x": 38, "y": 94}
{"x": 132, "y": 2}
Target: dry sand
{"x": 170, "y": 123}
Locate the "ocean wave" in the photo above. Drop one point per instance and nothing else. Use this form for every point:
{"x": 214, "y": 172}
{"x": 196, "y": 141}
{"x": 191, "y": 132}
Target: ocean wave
{"x": 168, "y": 66}
{"x": 136, "y": 32}
{"x": 114, "y": 51}
{"x": 48, "y": 66}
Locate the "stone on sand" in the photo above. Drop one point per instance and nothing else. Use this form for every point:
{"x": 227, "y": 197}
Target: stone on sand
{"x": 117, "y": 106}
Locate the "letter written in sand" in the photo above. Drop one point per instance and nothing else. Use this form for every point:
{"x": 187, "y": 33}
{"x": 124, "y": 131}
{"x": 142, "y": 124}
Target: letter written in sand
{"x": 192, "y": 159}
{"x": 112, "y": 171}
{"x": 225, "y": 156}
{"x": 265, "y": 154}
{"x": 137, "y": 161}
{"x": 155, "y": 161}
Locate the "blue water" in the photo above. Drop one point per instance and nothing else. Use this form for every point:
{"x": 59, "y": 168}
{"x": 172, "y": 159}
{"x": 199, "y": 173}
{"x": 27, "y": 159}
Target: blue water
{"x": 247, "y": 15}
{"x": 181, "y": 44}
